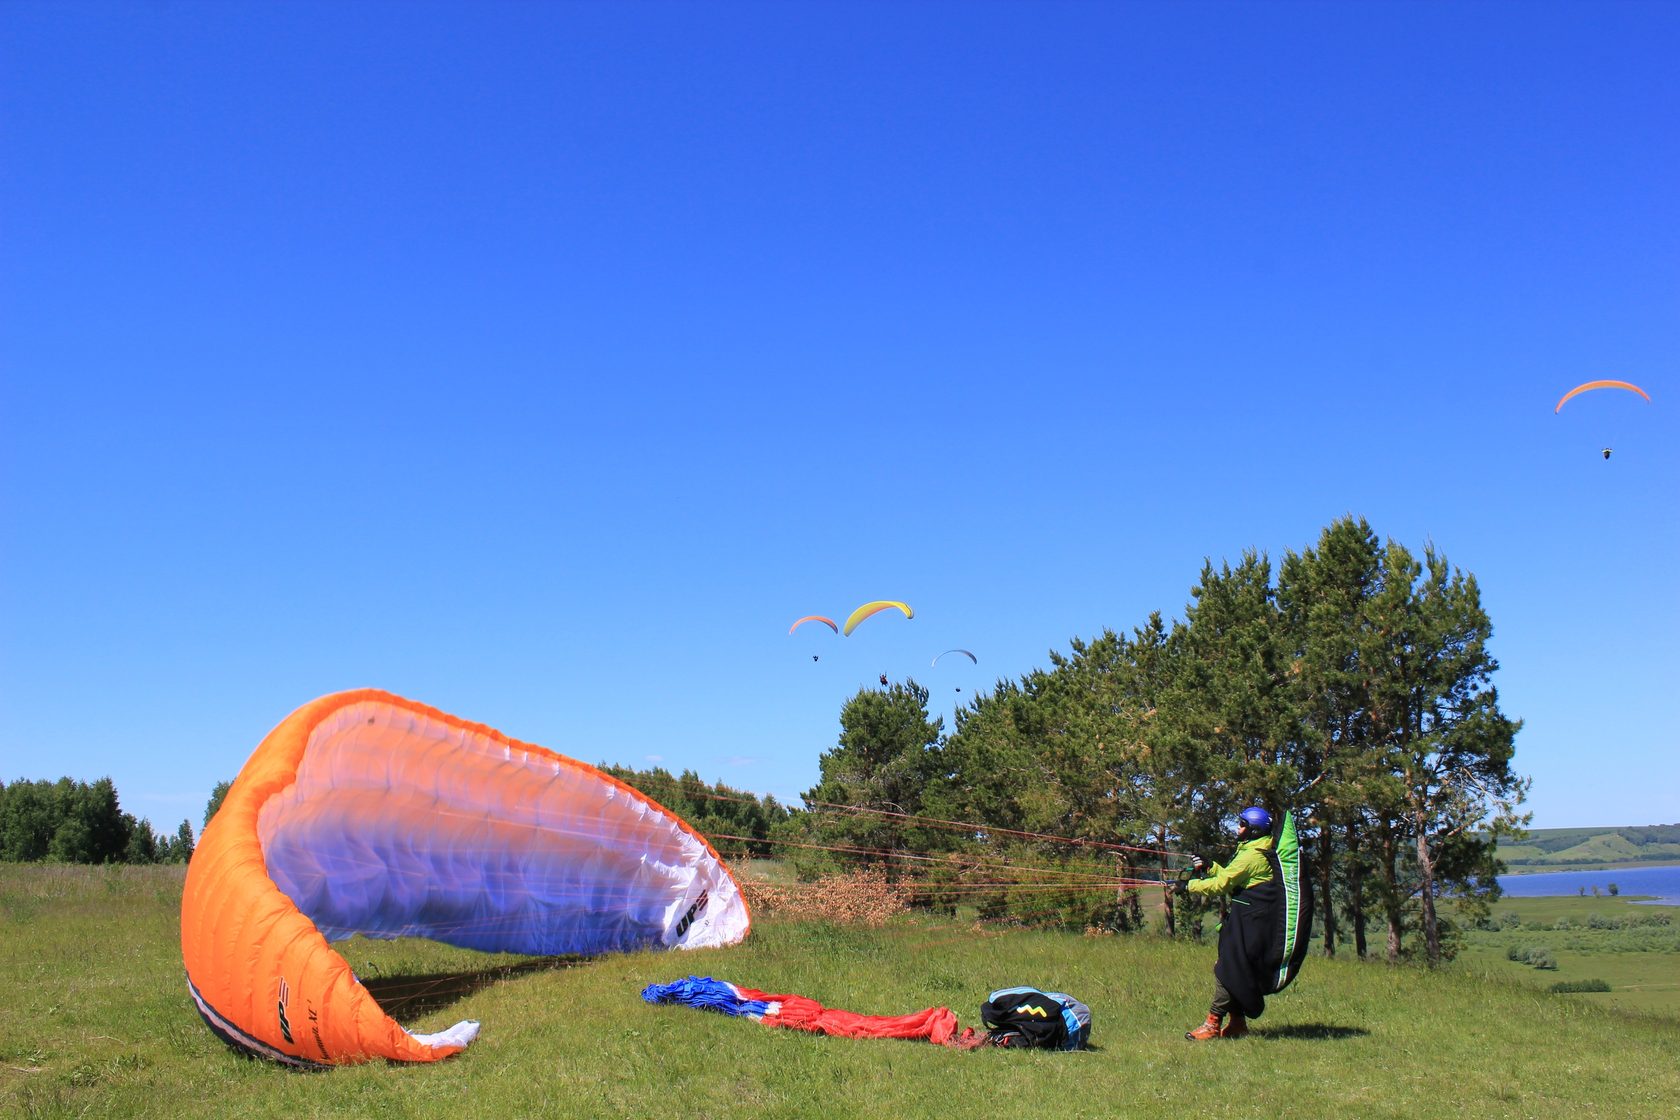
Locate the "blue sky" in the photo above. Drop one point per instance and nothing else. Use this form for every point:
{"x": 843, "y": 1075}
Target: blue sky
{"x": 543, "y": 362}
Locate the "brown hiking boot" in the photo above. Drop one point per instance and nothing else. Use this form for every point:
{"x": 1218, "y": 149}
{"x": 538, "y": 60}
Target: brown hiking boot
{"x": 1207, "y": 1030}
{"x": 1236, "y": 1028}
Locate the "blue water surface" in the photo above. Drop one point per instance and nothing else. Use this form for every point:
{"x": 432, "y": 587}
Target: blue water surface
{"x": 1662, "y": 883}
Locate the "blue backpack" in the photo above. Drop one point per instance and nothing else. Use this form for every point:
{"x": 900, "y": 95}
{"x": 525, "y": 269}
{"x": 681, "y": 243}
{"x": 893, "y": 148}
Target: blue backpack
{"x": 1032, "y": 1017}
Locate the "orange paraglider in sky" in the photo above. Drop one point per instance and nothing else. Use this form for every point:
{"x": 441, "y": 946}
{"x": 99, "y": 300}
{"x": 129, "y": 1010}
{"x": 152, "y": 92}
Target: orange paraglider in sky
{"x": 1589, "y": 385}
{"x": 828, "y": 622}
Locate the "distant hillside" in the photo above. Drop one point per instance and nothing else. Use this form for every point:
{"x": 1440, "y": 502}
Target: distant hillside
{"x": 1562, "y": 849}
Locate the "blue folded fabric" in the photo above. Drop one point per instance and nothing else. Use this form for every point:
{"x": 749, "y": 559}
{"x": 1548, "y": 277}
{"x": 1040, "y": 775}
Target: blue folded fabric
{"x": 707, "y": 994}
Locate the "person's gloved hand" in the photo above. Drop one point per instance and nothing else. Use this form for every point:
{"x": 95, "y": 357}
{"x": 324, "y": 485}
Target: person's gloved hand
{"x": 1181, "y": 888}
{"x": 1198, "y": 865}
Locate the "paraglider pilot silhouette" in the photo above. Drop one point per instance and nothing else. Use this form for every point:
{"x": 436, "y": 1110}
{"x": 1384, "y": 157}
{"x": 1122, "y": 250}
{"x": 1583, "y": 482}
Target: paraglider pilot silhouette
{"x": 1249, "y": 868}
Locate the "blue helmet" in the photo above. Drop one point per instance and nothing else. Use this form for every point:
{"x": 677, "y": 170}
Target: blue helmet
{"x": 1256, "y": 818}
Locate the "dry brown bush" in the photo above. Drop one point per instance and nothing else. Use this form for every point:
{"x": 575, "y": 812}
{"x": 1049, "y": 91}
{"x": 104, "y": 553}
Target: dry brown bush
{"x": 863, "y": 897}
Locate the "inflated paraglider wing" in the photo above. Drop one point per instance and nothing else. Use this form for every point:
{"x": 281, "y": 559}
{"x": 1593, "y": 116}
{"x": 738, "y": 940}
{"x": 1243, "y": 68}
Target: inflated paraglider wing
{"x": 964, "y": 652}
{"x": 874, "y": 608}
{"x": 828, "y": 622}
{"x": 366, "y": 813}
{"x": 1589, "y": 385}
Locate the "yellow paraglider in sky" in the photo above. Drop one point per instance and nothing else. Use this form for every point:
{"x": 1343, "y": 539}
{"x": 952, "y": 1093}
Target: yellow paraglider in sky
{"x": 874, "y": 608}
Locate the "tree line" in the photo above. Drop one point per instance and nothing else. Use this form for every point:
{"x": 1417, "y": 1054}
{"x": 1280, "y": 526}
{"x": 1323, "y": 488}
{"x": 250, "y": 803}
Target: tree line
{"x": 1555, "y": 840}
{"x": 70, "y": 821}
{"x": 1352, "y": 685}
{"x": 738, "y": 824}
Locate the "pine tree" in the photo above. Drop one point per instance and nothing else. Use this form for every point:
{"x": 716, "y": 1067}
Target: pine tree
{"x": 1446, "y": 746}
{"x": 142, "y": 842}
{"x": 217, "y": 796}
{"x": 1229, "y": 694}
{"x": 888, "y": 752}
{"x": 1322, "y": 597}
{"x": 180, "y": 849}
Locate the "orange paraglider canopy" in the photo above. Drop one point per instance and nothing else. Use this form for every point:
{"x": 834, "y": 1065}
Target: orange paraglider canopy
{"x": 828, "y": 622}
{"x": 1585, "y": 386}
{"x": 366, "y": 813}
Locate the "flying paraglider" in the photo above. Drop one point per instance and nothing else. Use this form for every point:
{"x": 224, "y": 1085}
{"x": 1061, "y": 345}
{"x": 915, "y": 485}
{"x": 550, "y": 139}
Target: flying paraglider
{"x": 828, "y": 622}
{"x": 964, "y": 652}
{"x": 1589, "y": 385}
{"x": 363, "y": 812}
{"x": 869, "y": 609}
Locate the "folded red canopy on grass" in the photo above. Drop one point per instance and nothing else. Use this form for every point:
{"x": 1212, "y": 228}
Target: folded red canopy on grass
{"x": 936, "y": 1024}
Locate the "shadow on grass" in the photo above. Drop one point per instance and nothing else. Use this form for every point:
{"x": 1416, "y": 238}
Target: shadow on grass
{"x": 413, "y": 996}
{"x": 1309, "y": 1030}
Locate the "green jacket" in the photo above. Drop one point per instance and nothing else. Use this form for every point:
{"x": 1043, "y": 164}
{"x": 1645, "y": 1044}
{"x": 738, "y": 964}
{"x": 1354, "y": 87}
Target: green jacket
{"x": 1247, "y": 867}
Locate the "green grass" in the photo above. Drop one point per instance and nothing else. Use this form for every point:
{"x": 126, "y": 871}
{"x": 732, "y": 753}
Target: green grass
{"x": 1588, "y": 849}
{"x": 1641, "y": 962}
{"x": 96, "y": 1022}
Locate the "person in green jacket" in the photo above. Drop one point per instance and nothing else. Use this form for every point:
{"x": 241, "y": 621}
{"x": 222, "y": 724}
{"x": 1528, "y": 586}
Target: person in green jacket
{"x": 1248, "y": 867}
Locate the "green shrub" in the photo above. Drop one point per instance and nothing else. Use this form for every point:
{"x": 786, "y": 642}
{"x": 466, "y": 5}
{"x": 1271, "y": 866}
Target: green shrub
{"x": 1580, "y": 986}
{"x": 1538, "y": 956}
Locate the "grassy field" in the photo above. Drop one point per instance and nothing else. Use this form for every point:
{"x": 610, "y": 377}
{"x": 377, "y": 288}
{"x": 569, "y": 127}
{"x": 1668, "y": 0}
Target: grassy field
{"x": 1609, "y": 939}
{"x": 95, "y": 1021}
{"x": 1590, "y": 849}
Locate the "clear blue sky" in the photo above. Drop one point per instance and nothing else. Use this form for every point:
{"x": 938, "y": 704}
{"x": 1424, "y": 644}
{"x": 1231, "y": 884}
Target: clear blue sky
{"x": 543, "y": 362}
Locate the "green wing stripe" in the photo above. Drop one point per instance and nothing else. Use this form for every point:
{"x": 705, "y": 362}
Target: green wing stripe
{"x": 1289, "y": 861}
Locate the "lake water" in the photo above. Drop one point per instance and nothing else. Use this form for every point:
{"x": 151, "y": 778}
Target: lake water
{"x": 1663, "y": 883}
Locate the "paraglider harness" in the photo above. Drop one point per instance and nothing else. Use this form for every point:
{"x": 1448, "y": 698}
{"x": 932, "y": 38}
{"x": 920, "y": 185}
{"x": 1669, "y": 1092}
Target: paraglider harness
{"x": 1030, "y": 1018}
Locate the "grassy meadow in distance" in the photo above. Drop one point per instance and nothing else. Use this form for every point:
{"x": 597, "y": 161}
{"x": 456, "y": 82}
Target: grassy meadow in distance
{"x": 1591, "y": 849}
{"x": 96, "y": 1021}
{"x": 1630, "y": 947}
